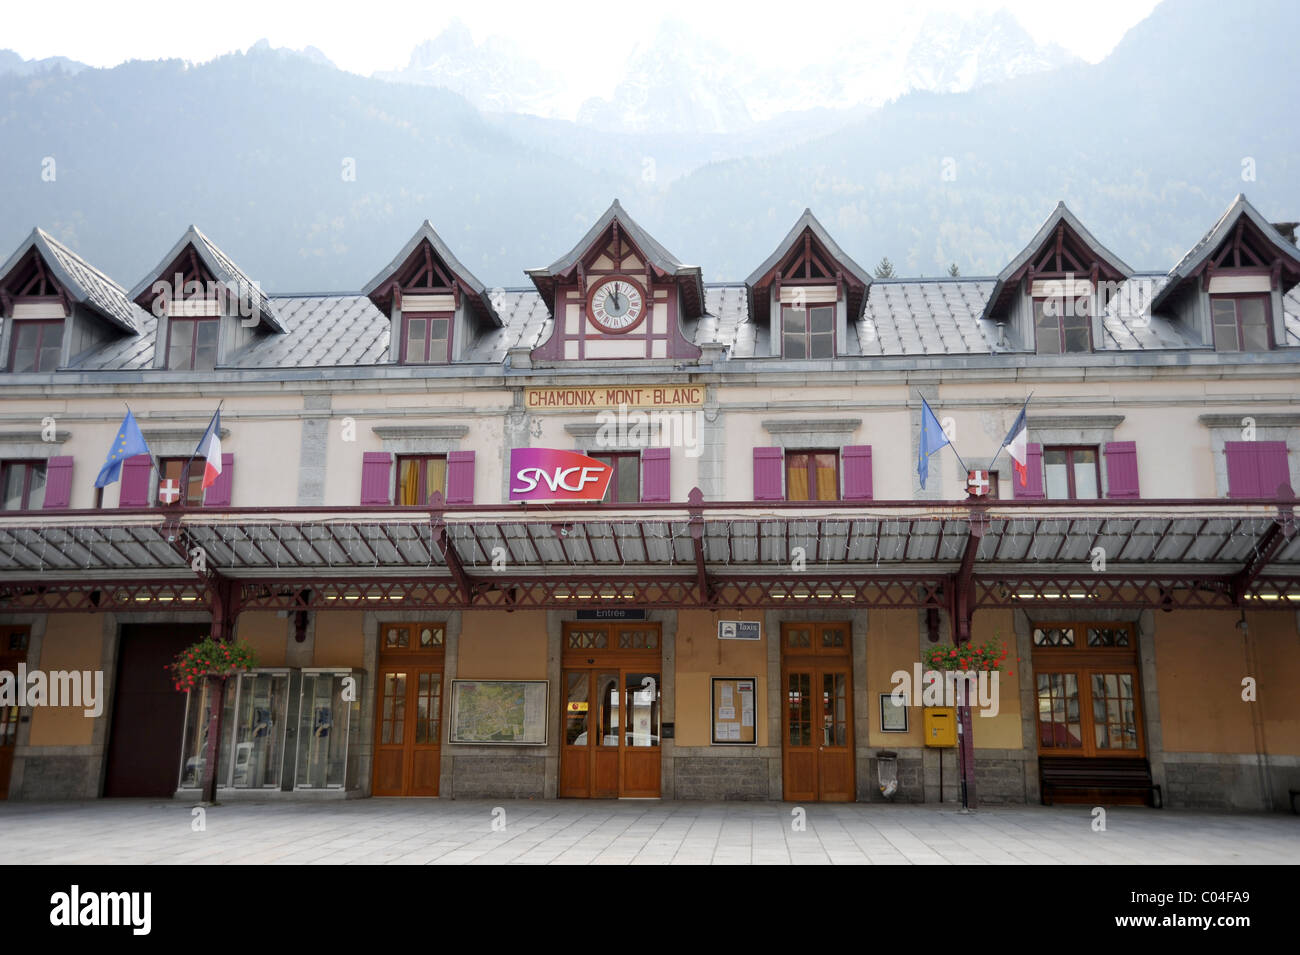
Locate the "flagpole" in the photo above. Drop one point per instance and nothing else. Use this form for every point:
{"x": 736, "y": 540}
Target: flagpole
{"x": 1023, "y": 407}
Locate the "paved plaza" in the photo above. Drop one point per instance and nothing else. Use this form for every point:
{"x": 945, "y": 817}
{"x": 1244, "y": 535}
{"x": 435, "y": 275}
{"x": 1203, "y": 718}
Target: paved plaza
{"x": 422, "y": 831}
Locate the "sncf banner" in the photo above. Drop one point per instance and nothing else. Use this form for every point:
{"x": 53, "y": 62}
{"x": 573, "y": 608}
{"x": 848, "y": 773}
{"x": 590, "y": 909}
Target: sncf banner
{"x": 545, "y": 474}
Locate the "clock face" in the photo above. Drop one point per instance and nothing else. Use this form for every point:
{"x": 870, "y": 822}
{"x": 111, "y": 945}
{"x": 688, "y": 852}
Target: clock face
{"x": 616, "y": 305}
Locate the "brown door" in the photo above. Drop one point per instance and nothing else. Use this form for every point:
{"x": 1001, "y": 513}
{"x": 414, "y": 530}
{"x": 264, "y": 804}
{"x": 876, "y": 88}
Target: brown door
{"x": 408, "y": 721}
{"x": 144, "y": 745}
{"x": 13, "y": 651}
{"x": 610, "y": 741}
{"x": 817, "y": 742}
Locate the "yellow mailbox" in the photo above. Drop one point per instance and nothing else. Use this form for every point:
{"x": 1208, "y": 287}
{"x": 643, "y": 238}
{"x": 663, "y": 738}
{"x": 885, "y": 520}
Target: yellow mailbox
{"x": 940, "y": 726}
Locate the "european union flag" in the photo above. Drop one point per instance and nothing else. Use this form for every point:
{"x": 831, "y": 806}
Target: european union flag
{"x": 128, "y": 443}
{"x": 932, "y": 439}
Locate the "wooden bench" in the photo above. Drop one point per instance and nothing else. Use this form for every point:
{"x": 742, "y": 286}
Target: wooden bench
{"x": 1106, "y": 775}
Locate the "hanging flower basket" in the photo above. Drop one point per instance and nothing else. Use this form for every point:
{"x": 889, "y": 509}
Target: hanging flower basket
{"x": 210, "y": 658}
{"x": 969, "y": 656}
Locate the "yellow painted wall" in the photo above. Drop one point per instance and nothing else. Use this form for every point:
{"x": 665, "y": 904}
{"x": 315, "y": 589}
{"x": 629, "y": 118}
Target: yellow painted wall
{"x": 1200, "y": 663}
{"x": 1002, "y": 731}
{"x": 1277, "y": 655}
{"x": 266, "y": 633}
{"x": 72, "y": 642}
{"x": 496, "y": 645}
{"x": 340, "y": 639}
{"x": 893, "y": 644}
{"x": 701, "y": 656}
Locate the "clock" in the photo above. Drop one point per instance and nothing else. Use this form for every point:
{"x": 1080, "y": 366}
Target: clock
{"x": 616, "y": 304}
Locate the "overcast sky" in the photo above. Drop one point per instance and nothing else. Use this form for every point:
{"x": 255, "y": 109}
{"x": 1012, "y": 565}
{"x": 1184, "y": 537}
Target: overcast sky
{"x": 577, "y": 38}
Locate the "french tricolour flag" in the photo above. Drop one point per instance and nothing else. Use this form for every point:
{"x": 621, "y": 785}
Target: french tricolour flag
{"x": 1016, "y": 445}
{"x": 210, "y": 450}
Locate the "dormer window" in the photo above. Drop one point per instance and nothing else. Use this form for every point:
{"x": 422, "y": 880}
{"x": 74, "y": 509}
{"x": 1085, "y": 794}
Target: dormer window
{"x": 806, "y": 294}
{"x": 1053, "y": 294}
{"x": 426, "y": 338}
{"x": 192, "y": 344}
{"x": 435, "y": 306}
{"x": 808, "y": 332}
{"x": 1241, "y": 322}
{"x": 37, "y": 345}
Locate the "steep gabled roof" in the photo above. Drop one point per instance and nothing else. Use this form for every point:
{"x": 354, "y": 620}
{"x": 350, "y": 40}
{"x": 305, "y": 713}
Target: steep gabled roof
{"x": 426, "y": 233}
{"x": 762, "y": 276}
{"x": 83, "y": 283}
{"x": 658, "y": 256}
{"x": 223, "y": 269}
{"x": 1010, "y": 276}
{"x": 1191, "y": 264}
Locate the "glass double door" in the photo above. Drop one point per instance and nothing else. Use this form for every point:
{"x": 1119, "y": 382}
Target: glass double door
{"x": 610, "y": 745}
{"x": 408, "y": 750}
{"x": 817, "y": 732}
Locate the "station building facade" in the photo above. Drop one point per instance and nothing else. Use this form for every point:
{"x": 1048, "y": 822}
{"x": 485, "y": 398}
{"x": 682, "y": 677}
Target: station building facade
{"x": 727, "y": 622}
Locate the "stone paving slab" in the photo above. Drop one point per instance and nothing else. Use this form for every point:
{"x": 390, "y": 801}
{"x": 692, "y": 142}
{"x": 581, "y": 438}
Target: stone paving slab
{"x": 446, "y": 832}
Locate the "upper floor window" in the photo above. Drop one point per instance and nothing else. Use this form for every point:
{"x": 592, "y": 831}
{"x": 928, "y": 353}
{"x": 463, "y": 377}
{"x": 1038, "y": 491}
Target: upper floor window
{"x": 180, "y": 482}
{"x": 23, "y": 484}
{"x": 1059, "y": 328}
{"x": 812, "y": 476}
{"x": 808, "y": 332}
{"x": 192, "y": 344}
{"x": 1071, "y": 473}
{"x": 625, "y": 485}
{"x": 426, "y": 339}
{"x": 1240, "y": 322}
{"x": 418, "y": 476}
{"x": 36, "y": 346}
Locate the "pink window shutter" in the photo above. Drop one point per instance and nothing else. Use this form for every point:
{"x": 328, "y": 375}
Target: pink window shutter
{"x": 218, "y": 495}
{"x": 1121, "y": 469}
{"x": 58, "y": 483}
{"x": 135, "y": 481}
{"x": 1274, "y": 468}
{"x": 656, "y": 474}
{"x": 1256, "y": 468}
{"x": 460, "y": 477}
{"x": 767, "y": 474}
{"x": 857, "y": 472}
{"x": 1033, "y": 489}
{"x": 376, "y": 469}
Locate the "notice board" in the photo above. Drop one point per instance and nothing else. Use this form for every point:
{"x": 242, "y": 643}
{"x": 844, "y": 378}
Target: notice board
{"x": 734, "y": 711}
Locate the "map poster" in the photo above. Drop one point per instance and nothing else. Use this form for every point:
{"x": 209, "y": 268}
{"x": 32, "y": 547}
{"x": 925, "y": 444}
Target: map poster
{"x": 511, "y": 712}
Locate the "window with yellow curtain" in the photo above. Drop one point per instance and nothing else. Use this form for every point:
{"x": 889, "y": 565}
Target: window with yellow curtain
{"x": 418, "y": 476}
{"x": 812, "y": 476}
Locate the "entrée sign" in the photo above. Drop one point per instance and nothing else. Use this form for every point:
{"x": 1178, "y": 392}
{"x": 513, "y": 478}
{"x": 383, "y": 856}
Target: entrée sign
{"x": 668, "y": 396}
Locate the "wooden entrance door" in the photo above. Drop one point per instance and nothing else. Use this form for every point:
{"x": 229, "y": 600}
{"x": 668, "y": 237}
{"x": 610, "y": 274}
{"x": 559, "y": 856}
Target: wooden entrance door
{"x": 611, "y": 711}
{"x": 13, "y": 651}
{"x": 408, "y": 719}
{"x": 817, "y": 735}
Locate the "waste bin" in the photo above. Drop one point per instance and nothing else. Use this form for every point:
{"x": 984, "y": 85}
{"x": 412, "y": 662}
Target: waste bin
{"x": 887, "y": 773}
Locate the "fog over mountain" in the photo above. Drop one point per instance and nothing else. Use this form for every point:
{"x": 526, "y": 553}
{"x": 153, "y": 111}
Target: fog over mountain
{"x": 682, "y": 81}
{"x": 953, "y": 151}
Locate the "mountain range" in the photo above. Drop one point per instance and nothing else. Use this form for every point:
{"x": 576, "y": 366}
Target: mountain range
{"x": 311, "y": 177}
